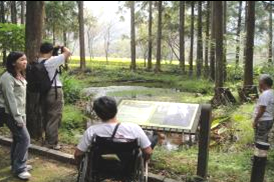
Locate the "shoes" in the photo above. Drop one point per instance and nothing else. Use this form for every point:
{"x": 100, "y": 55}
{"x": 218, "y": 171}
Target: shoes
{"x": 24, "y": 175}
{"x": 54, "y": 147}
{"x": 29, "y": 167}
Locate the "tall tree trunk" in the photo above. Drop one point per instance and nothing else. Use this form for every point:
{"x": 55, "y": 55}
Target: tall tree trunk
{"x": 191, "y": 39}
{"x": 199, "y": 61}
{"x": 149, "y": 58}
{"x": 249, "y": 46}
{"x": 224, "y": 44}
{"x": 82, "y": 35}
{"x": 212, "y": 43}
{"x": 22, "y": 12}
{"x": 238, "y": 33}
{"x": 3, "y": 20}
{"x": 65, "y": 44}
{"x": 206, "y": 72}
{"x": 245, "y": 28}
{"x": 34, "y": 27}
{"x": 53, "y": 35}
{"x": 182, "y": 35}
{"x": 65, "y": 38}
{"x": 218, "y": 10}
{"x": 133, "y": 43}
{"x": 13, "y": 12}
{"x": 2, "y": 11}
{"x": 270, "y": 33}
{"x": 159, "y": 38}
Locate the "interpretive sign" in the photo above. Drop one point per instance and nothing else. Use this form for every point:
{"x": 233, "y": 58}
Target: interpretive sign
{"x": 180, "y": 116}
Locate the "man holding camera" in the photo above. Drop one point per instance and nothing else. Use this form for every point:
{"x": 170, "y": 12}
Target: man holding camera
{"x": 52, "y": 103}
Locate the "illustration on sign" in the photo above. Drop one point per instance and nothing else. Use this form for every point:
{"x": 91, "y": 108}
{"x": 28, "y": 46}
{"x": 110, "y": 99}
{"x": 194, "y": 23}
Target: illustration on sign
{"x": 160, "y": 114}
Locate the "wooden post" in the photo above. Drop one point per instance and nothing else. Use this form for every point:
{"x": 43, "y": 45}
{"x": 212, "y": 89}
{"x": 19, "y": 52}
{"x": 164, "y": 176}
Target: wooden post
{"x": 259, "y": 163}
{"x": 205, "y": 124}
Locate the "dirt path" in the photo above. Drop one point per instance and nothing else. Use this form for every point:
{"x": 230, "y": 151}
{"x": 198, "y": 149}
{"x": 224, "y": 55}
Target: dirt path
{"x": 44, "y": 170}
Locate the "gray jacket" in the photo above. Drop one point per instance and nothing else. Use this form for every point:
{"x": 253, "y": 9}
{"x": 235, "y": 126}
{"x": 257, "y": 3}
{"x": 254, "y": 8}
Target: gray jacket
{"x": 13, "y": 97}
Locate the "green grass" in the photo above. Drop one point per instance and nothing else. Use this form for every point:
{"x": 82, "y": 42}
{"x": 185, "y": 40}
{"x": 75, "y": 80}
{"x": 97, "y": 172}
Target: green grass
{"x": 164, "y": 95}
{"x": 229, "y": 159}
{"x": 170, "y": 78}
{"x": 44, "y": 170}
{"x": 73, "y": 125}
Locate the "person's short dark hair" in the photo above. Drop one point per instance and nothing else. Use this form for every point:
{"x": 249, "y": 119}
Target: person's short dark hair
{"x": 105, "y": 108}
{"x": 11, "y": 60}
{"x": 266, "y": 79}
{"x": 46, "y": 48}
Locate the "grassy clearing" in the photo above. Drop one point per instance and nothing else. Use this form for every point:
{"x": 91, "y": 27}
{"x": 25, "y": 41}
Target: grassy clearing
{"x": 230, "y": 153}
{"x": 173, "y": 78}
{"x": 44, "y": 170}
{"x": 229, "y": 161}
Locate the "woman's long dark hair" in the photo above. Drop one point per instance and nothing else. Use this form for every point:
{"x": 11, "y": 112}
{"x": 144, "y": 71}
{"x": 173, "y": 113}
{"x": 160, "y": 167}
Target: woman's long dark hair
{"x": 11, "y": 60}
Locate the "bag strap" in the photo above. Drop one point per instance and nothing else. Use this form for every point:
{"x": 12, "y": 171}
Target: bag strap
{"x": 43, "y": 61}
{"x": 115, "y": 130}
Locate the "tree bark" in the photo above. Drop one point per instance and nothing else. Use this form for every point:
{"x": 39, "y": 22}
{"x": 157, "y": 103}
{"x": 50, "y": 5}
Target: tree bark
{"x": 34, "y": 26}
{"x": 2, "y": 15}
{"x": 212, "y": 43}
{"x": 250, "y": 28}
{"x": 245, "y": 28}
{"x": 133, "y": 43}
{"x": 82, "y": 35}
{"x": 3, "y": 20}
{"x": 218, "y": 9}
{"x": 65, "y": 44}
{"x": 191, "y": 39}
{"x": 224, "y": 38}
{"x": 199, "y": 61}
{"x": 238, "y": 33}
{"x": 53, "y": 35}
{"x": 182, "y": 35}
{"x": 22, "y": 12}
{"x": 270, "y": 34}
{"x": 149, "y": 58}
{"x": 206, "y": 72}
{"x": 159, "y": 38}
{"x": 13, "y": 12}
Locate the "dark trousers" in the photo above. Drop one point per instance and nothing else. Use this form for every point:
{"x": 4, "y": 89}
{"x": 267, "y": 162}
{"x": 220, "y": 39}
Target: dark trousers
{"x": 52, "y": 107}
{"x": 262, "y": 131}
{"x": 19, "y": 147}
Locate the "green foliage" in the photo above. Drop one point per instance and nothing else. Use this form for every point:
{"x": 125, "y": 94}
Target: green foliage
{"x": 234, "y": 73}
{"x": 73, "y": 124}
{"x": 267, "y": 68}
{"x": 61, "y": 16}
{"x": 71, "y": 88}
{"x": 12, "y": 37}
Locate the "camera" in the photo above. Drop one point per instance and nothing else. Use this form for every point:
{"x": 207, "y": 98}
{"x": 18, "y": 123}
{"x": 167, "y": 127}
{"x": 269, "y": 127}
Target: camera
{"x": 57, "y": 50}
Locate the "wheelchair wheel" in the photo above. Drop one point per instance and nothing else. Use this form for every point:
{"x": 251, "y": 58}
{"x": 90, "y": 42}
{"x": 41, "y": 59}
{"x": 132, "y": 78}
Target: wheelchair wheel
{"x": 140, "y": 170}
{"x": 83, "y": 170}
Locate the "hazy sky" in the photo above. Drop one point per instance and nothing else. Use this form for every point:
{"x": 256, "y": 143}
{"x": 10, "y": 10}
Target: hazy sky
{"x": 106, "y": 11}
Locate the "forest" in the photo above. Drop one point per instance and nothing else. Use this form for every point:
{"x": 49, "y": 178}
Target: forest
{"x": 201, "y": 52}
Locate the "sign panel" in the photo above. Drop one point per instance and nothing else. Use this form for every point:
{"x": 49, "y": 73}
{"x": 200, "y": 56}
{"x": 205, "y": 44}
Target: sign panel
{"x": 180, "y": 116}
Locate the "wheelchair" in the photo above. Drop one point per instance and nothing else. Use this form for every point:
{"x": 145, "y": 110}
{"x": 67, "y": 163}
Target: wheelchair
{"x": 113, "y": 159}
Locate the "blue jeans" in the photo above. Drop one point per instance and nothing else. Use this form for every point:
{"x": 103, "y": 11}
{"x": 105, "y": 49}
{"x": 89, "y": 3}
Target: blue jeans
{"x": 19, "y": 147}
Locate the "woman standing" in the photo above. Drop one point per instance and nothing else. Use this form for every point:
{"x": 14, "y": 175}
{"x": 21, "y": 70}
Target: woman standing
{"x": 13, "y": 97}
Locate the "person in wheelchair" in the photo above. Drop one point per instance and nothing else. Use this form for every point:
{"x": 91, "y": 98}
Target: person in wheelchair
{"x": 113, "y": 146}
